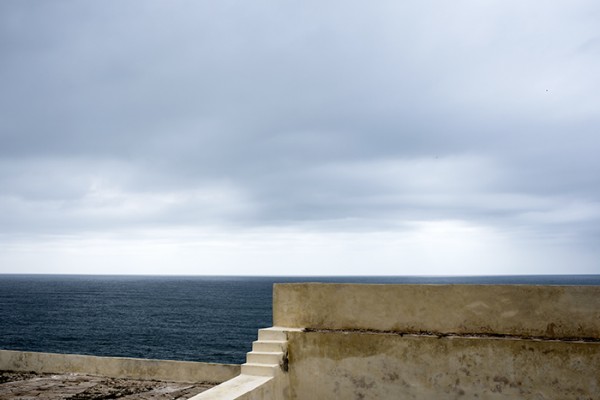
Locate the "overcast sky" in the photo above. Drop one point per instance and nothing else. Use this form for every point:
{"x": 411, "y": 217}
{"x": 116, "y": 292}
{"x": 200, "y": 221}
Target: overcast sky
{"x": 297, "y": 138}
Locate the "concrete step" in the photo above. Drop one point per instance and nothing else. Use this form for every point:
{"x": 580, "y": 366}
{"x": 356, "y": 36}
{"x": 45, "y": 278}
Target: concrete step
{"x": 269, "y": 345}
{"x": 242, "y": 386}
{"x": 264, "y": 357}
{"x": 272, "y": 334}
{"x": 260, "y": 369}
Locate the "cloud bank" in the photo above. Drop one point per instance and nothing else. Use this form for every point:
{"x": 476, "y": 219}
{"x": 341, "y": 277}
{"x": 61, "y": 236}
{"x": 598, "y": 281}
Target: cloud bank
{"x": 293, "y": 138}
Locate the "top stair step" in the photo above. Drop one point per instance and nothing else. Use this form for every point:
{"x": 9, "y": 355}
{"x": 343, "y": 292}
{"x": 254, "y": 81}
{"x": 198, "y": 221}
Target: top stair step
{"x": 272, "y": 334}
{"x": 276, "y": 333}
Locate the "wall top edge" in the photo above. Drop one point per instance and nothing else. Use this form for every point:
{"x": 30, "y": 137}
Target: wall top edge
{"x": 523, "y": 310}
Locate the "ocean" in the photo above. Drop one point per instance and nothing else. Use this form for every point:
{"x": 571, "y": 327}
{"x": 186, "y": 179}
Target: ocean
{"x": 194, "y": 318}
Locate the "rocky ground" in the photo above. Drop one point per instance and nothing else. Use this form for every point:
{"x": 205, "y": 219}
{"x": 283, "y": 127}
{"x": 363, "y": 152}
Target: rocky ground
{"x": 27, "y": 386}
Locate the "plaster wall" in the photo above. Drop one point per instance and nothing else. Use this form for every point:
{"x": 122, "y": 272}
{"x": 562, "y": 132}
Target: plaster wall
{"x": 543, "y": 311}
{"x": 338, "y": 365}
{"x": 117, "y": 367}
{"x": 441, "y": 341}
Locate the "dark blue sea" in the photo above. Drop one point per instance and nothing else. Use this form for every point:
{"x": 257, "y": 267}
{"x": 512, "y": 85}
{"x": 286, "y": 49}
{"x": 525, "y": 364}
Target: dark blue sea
{"x": 209, "y": 319}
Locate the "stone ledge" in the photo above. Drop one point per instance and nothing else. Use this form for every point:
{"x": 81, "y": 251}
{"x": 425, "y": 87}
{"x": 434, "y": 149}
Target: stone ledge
{"x": 117, "y": 367}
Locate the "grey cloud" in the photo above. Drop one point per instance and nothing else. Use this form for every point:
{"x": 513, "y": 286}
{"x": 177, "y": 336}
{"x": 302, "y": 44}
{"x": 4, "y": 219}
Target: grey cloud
{"x": 291, "y": 111}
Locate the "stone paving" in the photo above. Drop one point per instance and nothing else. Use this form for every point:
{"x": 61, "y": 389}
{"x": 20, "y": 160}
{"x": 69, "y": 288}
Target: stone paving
{"x": 29, "y": 386}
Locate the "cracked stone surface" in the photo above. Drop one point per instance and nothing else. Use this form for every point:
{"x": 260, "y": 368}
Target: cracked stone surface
{"x": 27, "y": 386}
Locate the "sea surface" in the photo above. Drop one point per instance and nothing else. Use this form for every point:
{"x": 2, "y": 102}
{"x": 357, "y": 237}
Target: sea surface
{"x": 195, "y": 318}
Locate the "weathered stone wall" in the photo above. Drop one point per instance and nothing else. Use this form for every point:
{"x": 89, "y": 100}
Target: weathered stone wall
{"x": 540, "y": 311}
{"x": 117, "y": 367}
{"x": 441, "y": 341}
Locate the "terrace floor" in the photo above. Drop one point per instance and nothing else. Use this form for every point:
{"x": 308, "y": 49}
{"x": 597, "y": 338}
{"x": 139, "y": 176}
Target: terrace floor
{"x": 29, "y": 386}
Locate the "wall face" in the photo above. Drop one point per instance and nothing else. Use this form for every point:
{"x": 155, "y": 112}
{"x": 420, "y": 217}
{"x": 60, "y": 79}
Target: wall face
{"x": 441, "y": 341}
{"x": 544, "y": 311}
{"x": 329, "y": 365}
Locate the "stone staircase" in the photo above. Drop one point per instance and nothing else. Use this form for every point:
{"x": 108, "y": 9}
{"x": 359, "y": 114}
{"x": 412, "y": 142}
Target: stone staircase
{"x": 268, "y": 355}
{"x": 263, "y": 375}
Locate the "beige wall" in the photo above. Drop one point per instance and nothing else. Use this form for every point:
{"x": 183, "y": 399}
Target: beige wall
{"x": 115, "y": 367}
{"x": 441, "y": 341}
{"x": 546, "y": 311}
{"x": 340, "y": 365}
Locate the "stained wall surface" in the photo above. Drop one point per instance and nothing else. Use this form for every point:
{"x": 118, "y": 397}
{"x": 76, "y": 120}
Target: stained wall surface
{"x": 441, "y": 341}
{"x": 338, "y": 365}
{"x": 544, "y": 311}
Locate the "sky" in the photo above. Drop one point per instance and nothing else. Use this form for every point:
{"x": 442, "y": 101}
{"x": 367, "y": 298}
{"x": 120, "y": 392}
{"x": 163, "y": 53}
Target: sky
{"x": 300, "y": 138}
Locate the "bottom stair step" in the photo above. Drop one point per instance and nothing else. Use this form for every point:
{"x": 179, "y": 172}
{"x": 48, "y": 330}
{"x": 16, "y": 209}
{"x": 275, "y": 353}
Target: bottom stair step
{"x": 259, "y": 369}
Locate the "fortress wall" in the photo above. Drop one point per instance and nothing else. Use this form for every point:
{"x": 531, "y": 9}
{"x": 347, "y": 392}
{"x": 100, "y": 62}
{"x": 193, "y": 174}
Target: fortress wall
{"x": 117, "y": 367}
{"x": 340, "y": 365}
{"x": 441, "y": 341}
{"x": 522, "y": 310}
